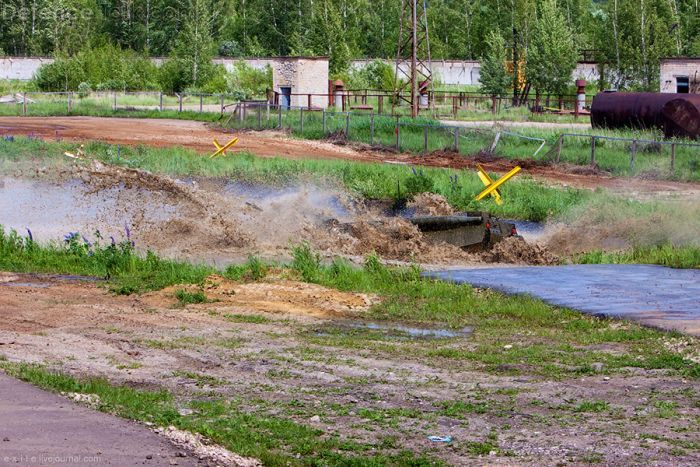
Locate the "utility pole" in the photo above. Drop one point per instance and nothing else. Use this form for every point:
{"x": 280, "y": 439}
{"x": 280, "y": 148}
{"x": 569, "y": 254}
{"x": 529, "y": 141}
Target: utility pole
{"x": 413, "y": 56}
{"x": 516, "y": 69}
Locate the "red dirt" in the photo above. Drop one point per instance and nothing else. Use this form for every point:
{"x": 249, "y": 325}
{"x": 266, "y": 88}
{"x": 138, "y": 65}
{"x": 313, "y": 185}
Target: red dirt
{"x": 196, "y": 135}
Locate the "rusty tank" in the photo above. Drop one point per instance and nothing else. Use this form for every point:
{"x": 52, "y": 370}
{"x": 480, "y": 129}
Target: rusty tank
{"x": 677, "y": 115}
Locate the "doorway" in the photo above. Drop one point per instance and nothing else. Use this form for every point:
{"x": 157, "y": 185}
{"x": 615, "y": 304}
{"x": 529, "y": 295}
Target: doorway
{"x": 286, "y": 94}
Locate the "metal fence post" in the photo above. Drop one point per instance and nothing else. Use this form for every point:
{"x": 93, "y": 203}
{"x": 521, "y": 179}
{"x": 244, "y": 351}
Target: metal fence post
{"x": 222, "y": 104}
{"x": 347, "y": 124}
{"x": 259, "y": 117}
{"x": 593, "y": 150}
{"x": 201, "y": 103}
{"x": 323, "y": 119}
{"x": 279, "y": 116}
{"x": 457, "y": 139}
{"x": 398, "y": 135}
{"x": 301, "y": 119}
{"x": 673, "y": 157}
{"x": 179, "y": 99}
{"x": 70, "y": 94}
{"x": 24, "y": 104}
{"x": 161, "y": 102}
{"x": 633, "y": 156}
{"x": 560, "y": 146}
{"x": 371, "y": 129}
{"x": 114, "y": 107}
{"x": 425, "y": 139}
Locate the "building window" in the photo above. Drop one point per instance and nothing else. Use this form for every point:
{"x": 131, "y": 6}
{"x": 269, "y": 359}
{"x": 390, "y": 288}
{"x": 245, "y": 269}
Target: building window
{"x": 682, "y": 84}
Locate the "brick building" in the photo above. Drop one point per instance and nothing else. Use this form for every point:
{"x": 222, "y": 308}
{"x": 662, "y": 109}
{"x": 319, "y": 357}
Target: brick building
{"x": 680, "y": 74}
{"x": 301, "y": 81}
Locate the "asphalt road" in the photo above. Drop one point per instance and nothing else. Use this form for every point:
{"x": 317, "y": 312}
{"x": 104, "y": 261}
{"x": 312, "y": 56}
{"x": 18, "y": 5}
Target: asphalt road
{"x": 41, "y": 428}
{"x": 652, "y": 295}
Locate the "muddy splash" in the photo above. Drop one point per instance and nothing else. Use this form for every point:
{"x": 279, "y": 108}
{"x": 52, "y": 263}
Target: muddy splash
{"x": 219, "y": 221}
{"x": 621, "y": 224}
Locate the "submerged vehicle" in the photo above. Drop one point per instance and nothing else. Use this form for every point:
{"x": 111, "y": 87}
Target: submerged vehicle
{"x": 467, "y": 230}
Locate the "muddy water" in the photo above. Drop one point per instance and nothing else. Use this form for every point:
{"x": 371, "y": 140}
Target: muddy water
{"x": 653, "y": 295}
{"x": 51, "y": 210}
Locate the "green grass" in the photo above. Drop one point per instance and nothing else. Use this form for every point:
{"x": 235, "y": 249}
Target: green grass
{"x": 254, "y": 269}
{"x": 666, "y": 255}
{"x": 276, "y": 441}
{"x": 524, "y": 198}
{"x": 250, "y": 319}
{"x": 126, "y": 271}
{"x": 592, "y": 406}
{"x": 187, "y": 298}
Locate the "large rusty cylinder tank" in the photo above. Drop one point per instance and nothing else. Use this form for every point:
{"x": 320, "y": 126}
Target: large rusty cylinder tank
{"x": 677, "y": 115}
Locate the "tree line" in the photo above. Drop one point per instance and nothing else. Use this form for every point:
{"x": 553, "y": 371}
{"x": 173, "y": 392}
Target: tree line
{"x": 627, "y": 36}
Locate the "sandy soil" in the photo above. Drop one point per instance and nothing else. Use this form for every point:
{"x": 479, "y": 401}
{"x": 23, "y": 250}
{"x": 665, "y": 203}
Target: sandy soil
{"x": 287, "y": 365}
{"x": 196, "y": 135}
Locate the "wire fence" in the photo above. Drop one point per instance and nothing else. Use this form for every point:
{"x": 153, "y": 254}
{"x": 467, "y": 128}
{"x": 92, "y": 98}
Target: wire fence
{"x": 618, "y": 155}
{"x": 438, "y": 105}
{"x": 631, "y": 156}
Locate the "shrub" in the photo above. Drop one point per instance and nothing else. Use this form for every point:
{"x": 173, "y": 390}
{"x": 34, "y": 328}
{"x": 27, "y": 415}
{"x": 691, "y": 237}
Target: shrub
{"x": 247, "y": 81}
{"x": 105, "y": 68}
{"x": 84, "y": 90}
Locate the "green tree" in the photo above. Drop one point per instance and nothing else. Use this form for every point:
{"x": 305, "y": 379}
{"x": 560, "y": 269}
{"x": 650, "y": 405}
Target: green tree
{"x": 494, "y": 77}
{"x": 191, "y": 62}
{"x": 551, "y": 57}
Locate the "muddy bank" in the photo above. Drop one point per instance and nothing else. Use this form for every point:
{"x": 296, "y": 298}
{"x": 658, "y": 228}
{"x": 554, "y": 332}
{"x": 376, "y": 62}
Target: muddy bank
{"x": 220, "y": 221}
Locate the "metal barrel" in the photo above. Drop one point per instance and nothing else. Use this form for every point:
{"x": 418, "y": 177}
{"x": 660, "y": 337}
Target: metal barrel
{"x": 675, "y": 114}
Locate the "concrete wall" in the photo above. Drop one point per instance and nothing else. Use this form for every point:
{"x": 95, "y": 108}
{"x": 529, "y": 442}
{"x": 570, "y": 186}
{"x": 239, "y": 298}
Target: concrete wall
{"x": 673, "y": 68}
{"x": 21, "y": 68}
{"x": 467, "y": 72}
{"x": 455, "y": 72}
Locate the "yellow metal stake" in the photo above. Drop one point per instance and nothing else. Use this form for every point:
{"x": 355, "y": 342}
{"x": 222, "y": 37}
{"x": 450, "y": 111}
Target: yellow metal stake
{"x": 491, "y": 185}
{"x": 221, "y": 150}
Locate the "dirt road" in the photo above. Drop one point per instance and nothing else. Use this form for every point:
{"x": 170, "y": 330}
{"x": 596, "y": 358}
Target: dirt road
{"x": 196, "y": 135}
{"x": 41, "y": 428}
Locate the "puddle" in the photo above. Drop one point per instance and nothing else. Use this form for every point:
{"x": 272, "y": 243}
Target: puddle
{"x": 37, "y": 285}
{"x": 392, "y": 331}
{"x": 50, "y": 210}
{"x": 16, "y": 281}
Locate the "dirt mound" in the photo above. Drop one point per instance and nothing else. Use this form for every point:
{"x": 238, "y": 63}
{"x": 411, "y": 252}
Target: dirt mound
{"x": 431, "y": 204}
{"x": 274, "y": 295}
{"x": 337, "y": 137}
{"x": 517, "y": 251}
{"x": 582, "y": 169}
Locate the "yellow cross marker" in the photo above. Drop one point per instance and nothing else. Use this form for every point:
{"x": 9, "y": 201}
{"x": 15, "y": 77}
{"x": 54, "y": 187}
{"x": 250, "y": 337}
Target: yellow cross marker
{"x": 221, "y": 150}
{"x": 491, "y": 185}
